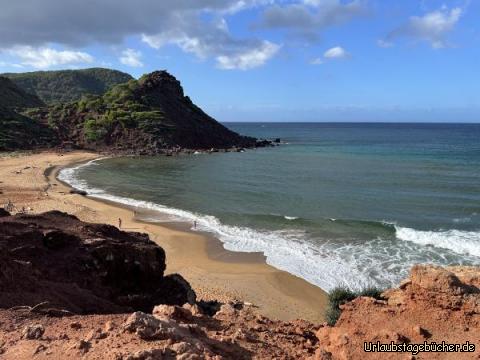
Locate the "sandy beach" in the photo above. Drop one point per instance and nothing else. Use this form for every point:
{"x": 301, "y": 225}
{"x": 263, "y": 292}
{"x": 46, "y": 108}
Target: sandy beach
{"x": 29, "y": 181}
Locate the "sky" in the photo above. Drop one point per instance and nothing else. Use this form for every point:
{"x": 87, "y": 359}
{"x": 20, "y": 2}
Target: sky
{"x": 269, "y": 60}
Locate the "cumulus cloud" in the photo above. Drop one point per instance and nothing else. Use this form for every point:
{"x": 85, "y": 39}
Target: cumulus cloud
{"x": 131, "y": 57}
{"x": 432, "y": 27}
{"x": 77, "y": 23}
{"x": 197, "y": 27}
{"x": 214, "y": 40}
{"x": 336, "y": 52}
{"x": 249, "y": 58}
{"x": 308, "y": 17}
{"x": 44, "y": 57}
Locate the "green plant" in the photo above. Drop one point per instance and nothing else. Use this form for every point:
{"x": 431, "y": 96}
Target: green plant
{"x": 341, "y": 295}
{"x": 93, "y": 130}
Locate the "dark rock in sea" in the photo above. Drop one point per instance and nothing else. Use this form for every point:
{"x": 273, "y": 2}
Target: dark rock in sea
{"x": 78, "y": 192}
{"x": 263, "y": 143}
{"x": 277, "y": 141}
{"x": 83, "y": 268}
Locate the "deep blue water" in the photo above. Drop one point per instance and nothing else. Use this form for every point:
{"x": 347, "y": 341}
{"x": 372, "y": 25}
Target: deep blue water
{"x": 351, "y": 204}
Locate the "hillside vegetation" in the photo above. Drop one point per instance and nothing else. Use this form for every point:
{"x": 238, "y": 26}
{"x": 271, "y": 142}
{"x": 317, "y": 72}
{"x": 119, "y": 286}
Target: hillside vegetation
{"x": 13, "y": 97}
{"x": 146, "y": 116}
{"x": 18, "y": 131}
{"x": 62, "y": 86}
{"x": 21, "y": 132}
{"x": 141, "y": 116}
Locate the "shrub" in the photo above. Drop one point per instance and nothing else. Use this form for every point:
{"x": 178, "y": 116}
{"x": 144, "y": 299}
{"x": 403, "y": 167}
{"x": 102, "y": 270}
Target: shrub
{"x": 93, "y": 130}
{"x": 341, "y": 295}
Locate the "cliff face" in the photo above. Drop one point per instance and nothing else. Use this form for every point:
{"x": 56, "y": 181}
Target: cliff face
{"x": 434, "y": 304}
{"x": 82, "y": 268}
{"x": 53, "y": 266}
{"x": 193, "y": 127}
{"x": 148, "y": 116}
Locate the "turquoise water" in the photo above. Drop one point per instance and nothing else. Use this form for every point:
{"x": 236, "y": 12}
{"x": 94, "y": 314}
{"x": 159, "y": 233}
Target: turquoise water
{"x": 351, "y": 204}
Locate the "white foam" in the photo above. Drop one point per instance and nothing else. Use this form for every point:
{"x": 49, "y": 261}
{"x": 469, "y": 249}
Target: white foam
{"x": 377, "y": 262}
{"x": 461, "y": 242}
{"x": 290, "y": 217}
{"x": 287, "y": 250}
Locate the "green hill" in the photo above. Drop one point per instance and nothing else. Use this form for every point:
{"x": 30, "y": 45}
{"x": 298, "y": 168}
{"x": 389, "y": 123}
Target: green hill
{"x": 20, "y": 132}
{"x": 145, "y": 116}
{"x": 13, "y": 97}
{"x": 62, "y": 86}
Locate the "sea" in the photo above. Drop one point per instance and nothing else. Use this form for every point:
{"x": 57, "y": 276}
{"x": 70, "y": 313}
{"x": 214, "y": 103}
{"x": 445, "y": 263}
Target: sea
{"x": 336, "y": 204}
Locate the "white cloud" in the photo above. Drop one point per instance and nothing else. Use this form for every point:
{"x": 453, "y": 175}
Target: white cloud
{"x": 215, "y": 41}
{"x": 432, "y": 27}
{"x": 44, "y": 57}
{"x": 249, "y": 59}
{"x": 316, "y": 61}
{"x": 131, "y": 57}
{"x": 307, "y": 18}
{"x": 336, "y": 53}
{"x": 197, "y": 27}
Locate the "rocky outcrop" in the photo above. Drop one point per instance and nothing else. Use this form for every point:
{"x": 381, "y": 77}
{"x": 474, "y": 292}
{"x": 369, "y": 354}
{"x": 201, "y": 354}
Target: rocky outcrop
{"x": 434, "y": 304}
{"x": 193, "y": 128}
{"x": 171, "y": 332}
{"x": 146, "y": 117}
{"x": 67, "y": 265}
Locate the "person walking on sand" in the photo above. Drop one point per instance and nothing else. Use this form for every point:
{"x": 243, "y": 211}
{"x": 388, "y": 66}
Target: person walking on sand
{"x": 194, "y": 224}
{"x": 119, "y": 223}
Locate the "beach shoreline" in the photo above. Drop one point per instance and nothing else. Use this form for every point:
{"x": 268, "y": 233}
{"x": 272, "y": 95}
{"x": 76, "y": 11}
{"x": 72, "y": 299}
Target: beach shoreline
{"x": 214, "y": 273}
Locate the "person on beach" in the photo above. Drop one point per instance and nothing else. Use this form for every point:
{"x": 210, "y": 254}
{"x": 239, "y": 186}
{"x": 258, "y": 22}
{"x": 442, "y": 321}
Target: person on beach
{"x": 194, "y": 224}
{"x": 119, "y": 223}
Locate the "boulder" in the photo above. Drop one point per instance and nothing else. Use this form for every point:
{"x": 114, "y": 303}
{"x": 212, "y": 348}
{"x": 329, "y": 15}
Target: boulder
{"x": 83, "y": 268}
{"x": 33, "y": 332}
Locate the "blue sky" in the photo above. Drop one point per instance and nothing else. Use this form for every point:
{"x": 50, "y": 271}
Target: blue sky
{"x": 269, "y": 60}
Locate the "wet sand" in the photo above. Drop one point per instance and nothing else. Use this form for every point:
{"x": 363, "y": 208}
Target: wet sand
{"x": 29, "y": 181}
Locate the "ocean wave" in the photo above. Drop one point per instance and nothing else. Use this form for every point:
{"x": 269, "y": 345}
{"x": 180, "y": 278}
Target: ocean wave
{"x": 461, "y": 242}
{"x": 318, "y": 265}
{"x": 380, "y": 261}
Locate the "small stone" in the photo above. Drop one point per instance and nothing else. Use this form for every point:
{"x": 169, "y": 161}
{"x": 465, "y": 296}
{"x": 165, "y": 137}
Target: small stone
{"x": 173, "y": 312}
{"x": 39, "y": 349}
{"x": 84, "y": 346}
{"x": 344, "y": 340}
{"x": 226, "y": 310}
{"x": 181, "y": 347}
{"x": 404, "y": 283}
{"x": 76, "y": 325}
{"x": 421, "y": 331}
{"x": 33, "y": 332}
{"x": 109, "y": 326}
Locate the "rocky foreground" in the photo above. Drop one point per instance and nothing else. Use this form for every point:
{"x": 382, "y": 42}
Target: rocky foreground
{"x": 73, "y": 290}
